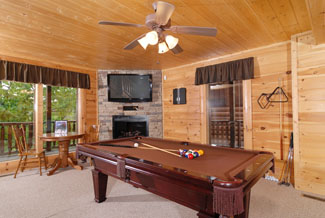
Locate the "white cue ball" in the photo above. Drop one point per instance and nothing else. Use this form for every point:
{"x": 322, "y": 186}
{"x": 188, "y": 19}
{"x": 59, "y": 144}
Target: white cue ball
{"x": 136, "y": 145}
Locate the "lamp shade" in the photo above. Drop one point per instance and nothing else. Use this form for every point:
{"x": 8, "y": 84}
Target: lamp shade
{"x": 162, "y": 48}
{"x": 143, "y": 42}
{"x": 152, "y": 37}
{"x": 171, "y": 41}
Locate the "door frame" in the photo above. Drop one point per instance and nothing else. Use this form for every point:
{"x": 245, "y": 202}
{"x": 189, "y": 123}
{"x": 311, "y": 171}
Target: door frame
{"x": 247, "y": 114}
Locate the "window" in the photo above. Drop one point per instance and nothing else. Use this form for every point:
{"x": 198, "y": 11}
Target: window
{"x": 59, "y": 103}
{"x": 16, "y": 108}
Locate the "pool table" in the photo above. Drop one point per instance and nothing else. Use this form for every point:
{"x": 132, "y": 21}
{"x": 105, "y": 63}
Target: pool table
{"x": 218, "y": 182}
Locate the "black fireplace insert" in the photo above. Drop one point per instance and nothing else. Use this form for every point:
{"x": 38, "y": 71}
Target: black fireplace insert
{"x": 129, "y": 126}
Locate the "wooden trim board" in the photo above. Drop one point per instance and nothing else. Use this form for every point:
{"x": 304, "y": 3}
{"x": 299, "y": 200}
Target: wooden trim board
{"x": 247, "y": 114}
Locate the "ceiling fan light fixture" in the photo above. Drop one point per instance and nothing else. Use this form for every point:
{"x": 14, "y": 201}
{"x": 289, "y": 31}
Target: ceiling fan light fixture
{"x": 157, "y": 23}
{"x": 152, "y": 37}
{"x": 144, "y": 42}
{"x": 162, "y": 48}
{"x": 171, "y": 41}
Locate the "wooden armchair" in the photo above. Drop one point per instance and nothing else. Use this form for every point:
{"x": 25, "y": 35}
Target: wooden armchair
{"x": 25, "y": 151}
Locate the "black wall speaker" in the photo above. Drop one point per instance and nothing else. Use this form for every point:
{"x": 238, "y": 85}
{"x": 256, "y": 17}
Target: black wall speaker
{"x": 179, "y": 96}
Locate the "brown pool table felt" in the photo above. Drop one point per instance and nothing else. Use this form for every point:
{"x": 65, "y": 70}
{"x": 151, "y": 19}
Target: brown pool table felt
{"x": 219, "y": 162}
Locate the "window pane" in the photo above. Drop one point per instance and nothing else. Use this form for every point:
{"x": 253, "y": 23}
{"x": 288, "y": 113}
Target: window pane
{"x": 16, "y": 108}
{"x": 60, "y": 103}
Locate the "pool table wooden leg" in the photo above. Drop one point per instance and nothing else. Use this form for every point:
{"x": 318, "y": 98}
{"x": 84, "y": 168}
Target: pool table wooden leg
{"x": 100, "y": 185}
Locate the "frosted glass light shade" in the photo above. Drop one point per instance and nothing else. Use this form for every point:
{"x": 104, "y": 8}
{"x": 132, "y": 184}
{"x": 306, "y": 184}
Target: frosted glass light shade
{"x": 162, "y": 48}
{"x": 152, "y": 37}
{"x": 143, "y": 42}
{"x": 171, "y": 41}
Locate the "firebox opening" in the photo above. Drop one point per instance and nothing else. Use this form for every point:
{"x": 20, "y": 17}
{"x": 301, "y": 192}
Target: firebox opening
{"x": 128, "y": 126}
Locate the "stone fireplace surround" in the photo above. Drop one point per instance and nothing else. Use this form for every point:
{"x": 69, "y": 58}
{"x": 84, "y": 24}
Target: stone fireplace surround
{"x": 106, "y": 109}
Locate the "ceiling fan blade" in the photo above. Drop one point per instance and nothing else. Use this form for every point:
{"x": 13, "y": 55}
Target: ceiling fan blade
{"x": 134, "y": 43}
{"x": 193, "y": 30}
{"x": 164, "y": 11}
{"x": 177, "y": 49}
{"x": 119, "y": 23}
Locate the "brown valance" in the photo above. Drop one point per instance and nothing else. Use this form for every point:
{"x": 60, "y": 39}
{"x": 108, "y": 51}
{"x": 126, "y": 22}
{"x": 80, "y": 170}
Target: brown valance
{"x": 225, "y": 72}
{"x": 27, "y": 73}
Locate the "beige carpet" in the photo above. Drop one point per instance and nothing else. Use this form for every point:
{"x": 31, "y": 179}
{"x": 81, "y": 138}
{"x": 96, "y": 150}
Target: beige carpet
{"x": 69, "y": 193}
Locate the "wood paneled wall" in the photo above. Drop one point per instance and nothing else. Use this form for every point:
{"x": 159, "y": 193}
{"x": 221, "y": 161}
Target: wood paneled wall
{"x": 309, "y": 113}
{"x": 182, "y": 122}
{"x": 272, "y": 64}
{"x": 92, "y": 102}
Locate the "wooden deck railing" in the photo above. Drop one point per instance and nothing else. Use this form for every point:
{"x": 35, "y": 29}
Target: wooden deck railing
{"x": 7, "y": 139}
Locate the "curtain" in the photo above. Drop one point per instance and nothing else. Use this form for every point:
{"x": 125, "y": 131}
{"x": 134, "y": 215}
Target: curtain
{"x": 225, "y": 72}
{"x": 27, "y": 73}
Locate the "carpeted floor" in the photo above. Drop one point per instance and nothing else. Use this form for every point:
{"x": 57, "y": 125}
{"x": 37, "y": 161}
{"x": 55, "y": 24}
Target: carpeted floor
{"x": 69, "y": 193}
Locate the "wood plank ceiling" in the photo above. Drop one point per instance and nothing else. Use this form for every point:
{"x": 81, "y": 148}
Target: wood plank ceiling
{"x": 65, "y": 32}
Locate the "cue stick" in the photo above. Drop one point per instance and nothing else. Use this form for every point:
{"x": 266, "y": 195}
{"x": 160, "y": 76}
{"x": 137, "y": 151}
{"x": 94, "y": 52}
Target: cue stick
{"x": 280, "y": 114}
{"x": 129, "y": 146}
{"x": 114, "y": 145}
{"x": 160, "y": 149}
{"x": 147, "y": 148}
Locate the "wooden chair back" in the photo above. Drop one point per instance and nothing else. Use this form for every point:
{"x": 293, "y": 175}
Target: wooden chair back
{"x": 19, "y": 134}
{"x": 25, "y": 151}
{"x": 92, "y": 133}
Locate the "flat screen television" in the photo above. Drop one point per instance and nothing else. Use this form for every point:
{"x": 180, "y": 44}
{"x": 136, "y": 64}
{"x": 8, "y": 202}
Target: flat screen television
{"x": 129, "y": 87}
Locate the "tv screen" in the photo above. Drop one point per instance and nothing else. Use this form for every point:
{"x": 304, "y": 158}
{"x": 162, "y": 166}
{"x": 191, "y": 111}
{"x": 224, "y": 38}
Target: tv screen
{"x": 129, "y": 87}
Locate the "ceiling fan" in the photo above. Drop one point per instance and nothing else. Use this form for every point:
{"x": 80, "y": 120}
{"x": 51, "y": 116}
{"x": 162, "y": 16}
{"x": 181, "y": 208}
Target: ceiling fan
{"x": 158, "y": 23}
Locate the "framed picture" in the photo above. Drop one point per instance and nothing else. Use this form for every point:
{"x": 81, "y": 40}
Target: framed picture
{"x": 61, "y": 127}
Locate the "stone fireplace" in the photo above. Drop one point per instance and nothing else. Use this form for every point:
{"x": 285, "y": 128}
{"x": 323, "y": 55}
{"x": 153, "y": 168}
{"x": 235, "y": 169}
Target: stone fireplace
{"x": 109, "y": 111}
